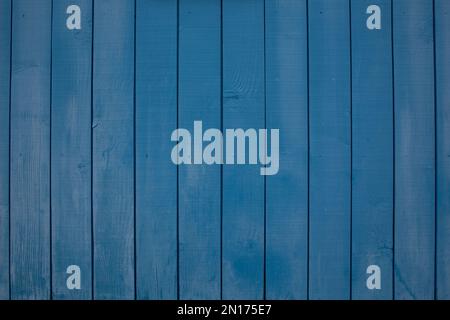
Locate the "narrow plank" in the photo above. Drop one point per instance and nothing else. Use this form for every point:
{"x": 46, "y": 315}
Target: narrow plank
{"x": 414, "y": 149}
{"x": 30, "y": 150}
{"x": 329, "y": 51}
{"x": 156, "y": 178}
{"x": 71, "y": 150}
{"x": 372, "y": 170}
{"x": 113, "y": 186}
{"x": 243, "y": 186}
{"x": 5, "y": 68}
{"x": 287, "y": 110}
{"x": 199, "y": 184}
{"x": 442, "y": 14}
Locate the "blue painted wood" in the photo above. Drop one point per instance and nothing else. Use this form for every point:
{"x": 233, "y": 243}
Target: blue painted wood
{"x": 265, "y": 83}
{"x": 442, "y": 16}
{"x": 414, "y": 149}
{"x": 199, "y": 185}
{"x": 30, "y": 150}
{"x": 156, "y": 175}
{"x": 329, "y": 238}
{"x": 287, "y": 110}
{"x": 5, "y": 50}
{"x": 243, "y": 187}
{"x": 372, "y": 165}
{"x": 113, "y": 145}
{"x": 71, "y": 149}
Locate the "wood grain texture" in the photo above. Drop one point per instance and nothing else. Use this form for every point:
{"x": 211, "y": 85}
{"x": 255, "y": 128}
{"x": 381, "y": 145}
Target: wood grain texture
{"x": 199, "y": 91}
{"x": 287, "y": 110}
{"x": 243, "y": 187}
{"x": 113, "y": 148}
{"x": 330, "y": 140}
{"x": 5, "y": 68}
{"x": 414, "y": 149}
{"x": 442, "y": 16}
{"x": 156, "y": 178}
{"x": 86, "y": 176}
{"x": 71, "y": 150}
{"x": 30, "y": 150}
{"x": 372, "y": 165}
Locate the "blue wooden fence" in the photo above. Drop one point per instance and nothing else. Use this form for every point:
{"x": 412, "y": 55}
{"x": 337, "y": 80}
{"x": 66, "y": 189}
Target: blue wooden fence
{"x": 86, "y": 116}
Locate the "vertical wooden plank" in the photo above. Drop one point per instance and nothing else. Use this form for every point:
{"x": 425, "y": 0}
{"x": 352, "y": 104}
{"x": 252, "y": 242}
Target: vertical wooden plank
{"x": 414, "y": 149}
{"x": 442, "y": 15}
{"x": 5, "y": 68}
{"x": 71, "y": 149}
{"x": 243, "y": 186}
{"x": 199, "y": 184}
{"x": 113, "y": 186}
{"x": 30, "y": 150}
{"x": 156, "y": 175}
{"x": 329, "y": 51}
{"x": 372, "y": 170}
{"x": 287, "y": 110}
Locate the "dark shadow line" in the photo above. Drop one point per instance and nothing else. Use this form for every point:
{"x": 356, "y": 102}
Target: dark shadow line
{"x": 178, "y": 171}
{"x": 351, "y": 150}
{"x": 265, "y": 177}
{"x": 393, "y": 149}
{"x": 435, "y": 156}
{"x": 134, "y": 156}
{"x": 221, "y": 165}
{"x": 50, "y": 152}
{"x": 92, "y": 156}
{"x": 309, "y": 143}
{"x": 9, "y": 154}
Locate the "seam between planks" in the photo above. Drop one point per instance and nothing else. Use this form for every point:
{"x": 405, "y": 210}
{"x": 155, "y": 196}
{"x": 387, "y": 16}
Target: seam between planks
{"x": 435, "y": 151}
{"x": 9, "y": 149}
{"x": 309, "y": 142}
{"x": 393, "y": 149}
{"x": 92, "y": 152}
{"x": 50, "y": 151}
{"x": 134, "y": 156}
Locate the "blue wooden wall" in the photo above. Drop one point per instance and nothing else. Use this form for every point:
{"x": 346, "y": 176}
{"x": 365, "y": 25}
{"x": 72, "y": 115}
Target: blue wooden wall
{"x": 86, "y": 178}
